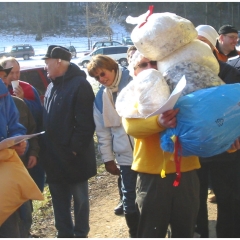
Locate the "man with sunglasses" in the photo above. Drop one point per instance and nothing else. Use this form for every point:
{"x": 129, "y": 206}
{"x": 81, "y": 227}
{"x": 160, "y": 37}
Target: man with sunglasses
{"x": 145, "y": 63}
{"x": 158, "y": 201}
{"x": 138, "y": 63}
{"x": 226, "y": 43}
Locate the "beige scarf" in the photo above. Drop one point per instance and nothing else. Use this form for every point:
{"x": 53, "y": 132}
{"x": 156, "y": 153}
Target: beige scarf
{"x": 110, "y": 116}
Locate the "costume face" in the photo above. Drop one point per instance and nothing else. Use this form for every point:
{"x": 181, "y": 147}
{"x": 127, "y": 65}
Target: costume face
{"x": 51, "y": 68}
{"x": 15, "y": 72}
{"x": 104, "y": 76}
{"x": 229, "y": 41}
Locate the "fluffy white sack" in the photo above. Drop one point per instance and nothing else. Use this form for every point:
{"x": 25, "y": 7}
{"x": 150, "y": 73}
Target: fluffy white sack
{"x": 143, "y": 95}
{"x": 196, "y": 51}
{"x": 162, "y": 34}
{"x": 197, "y": 77}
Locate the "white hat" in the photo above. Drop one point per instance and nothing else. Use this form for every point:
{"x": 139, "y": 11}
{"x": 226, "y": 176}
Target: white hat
{"x": 208, "y": 32}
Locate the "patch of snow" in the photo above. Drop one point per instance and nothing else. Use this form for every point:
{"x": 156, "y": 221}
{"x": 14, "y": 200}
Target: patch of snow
{"x": 80, "y": 43}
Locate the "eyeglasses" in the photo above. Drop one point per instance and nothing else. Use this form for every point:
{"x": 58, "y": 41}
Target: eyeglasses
{"x": 145, "y": 64}
{"x": 102, "y": 74}
{"x": 232, "y": 37}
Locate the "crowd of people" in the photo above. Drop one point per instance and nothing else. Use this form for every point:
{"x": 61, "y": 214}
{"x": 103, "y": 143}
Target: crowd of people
{"x": 64, "y": 156}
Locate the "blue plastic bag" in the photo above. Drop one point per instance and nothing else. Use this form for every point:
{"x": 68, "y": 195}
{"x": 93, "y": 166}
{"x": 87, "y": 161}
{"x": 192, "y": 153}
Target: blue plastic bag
{"x": 208, "y": 122}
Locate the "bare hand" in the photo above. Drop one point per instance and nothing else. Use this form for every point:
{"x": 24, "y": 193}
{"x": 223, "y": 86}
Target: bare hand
{"x": 32, "y": 161}
{"x": 18, "y": 91}
{"x": 20, "y": 148}
{"x": 235, "y": 145}
{"x": 111, "y": 167}
{"x": 168, "y": 119}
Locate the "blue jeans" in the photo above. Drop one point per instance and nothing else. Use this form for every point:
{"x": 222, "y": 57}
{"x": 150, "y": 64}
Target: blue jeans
{"x": 129, "y": 178}
{"x": 61, "y": 199}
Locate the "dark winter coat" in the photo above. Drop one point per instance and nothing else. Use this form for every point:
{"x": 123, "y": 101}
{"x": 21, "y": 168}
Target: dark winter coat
{"x": 69, "y": 125}
{"x": 228, "y": 73}
{"x": 27, "y": 120}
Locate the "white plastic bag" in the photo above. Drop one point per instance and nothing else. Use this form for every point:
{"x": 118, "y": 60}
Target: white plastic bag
{"x": 143, "y": 95}
{"x": 161, "y": 34}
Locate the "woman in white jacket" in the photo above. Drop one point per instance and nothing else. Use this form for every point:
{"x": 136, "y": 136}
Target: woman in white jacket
{"x": 113, "y": 141}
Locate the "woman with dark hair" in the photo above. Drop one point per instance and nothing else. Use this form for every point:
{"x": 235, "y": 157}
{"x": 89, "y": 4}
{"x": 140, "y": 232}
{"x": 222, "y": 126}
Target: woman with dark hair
{"x": 114, "y": 142}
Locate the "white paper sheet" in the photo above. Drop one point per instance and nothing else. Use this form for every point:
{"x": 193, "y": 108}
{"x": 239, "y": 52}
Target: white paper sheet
{"x": 170, "y": 103}
{"x": 9, "y": 142}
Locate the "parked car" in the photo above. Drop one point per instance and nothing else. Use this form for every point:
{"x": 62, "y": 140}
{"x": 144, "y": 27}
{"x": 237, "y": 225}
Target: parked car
{"x": 99, "y": 44}
{"x": 24, "y": 51}
{"x": 118, "y": 53}
{"x": 37, "y": 77}
{"x": 72, "y": 50}
{"x": 127, "y": 41}
{"x": 86, "y": 53}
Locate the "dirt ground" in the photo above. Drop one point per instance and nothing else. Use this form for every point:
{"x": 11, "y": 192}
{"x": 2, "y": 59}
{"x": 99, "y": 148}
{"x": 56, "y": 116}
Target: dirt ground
{"x": 104, "y": 223}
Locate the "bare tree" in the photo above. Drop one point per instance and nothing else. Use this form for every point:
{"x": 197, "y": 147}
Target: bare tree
{"x": 101, "y": 16}
{"x": 54, "y": 17}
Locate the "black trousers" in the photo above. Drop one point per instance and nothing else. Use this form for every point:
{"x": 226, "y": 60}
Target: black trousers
{"x": 225, "y": 175}
{"x": 161, "y": 204}
{"x": 11, "y": 227}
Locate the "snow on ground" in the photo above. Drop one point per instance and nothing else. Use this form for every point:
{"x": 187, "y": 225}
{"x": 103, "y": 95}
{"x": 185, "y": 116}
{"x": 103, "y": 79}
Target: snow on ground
{"x": 81, "y": 44}
{"x": 40, "y": 47}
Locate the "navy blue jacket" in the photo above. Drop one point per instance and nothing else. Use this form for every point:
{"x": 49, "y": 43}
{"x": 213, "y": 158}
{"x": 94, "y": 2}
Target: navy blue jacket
{"x": 69, "y": 125}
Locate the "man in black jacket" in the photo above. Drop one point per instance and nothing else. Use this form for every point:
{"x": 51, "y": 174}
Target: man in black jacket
{"x": 223, "y": 169}
{"x": 67, "y": 147}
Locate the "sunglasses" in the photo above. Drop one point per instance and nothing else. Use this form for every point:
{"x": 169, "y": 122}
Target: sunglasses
{"x": 145, "y": 64}
{"x": 102, "y": 74}
{"x": 232, "y": 37}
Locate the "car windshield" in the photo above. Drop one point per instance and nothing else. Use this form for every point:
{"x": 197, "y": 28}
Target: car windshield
{"x": 129, "y": 41}
{"x": 8, "y": 49}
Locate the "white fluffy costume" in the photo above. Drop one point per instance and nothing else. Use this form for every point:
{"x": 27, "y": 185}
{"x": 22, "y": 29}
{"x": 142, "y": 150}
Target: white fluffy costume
{"x": 171, "y": 41}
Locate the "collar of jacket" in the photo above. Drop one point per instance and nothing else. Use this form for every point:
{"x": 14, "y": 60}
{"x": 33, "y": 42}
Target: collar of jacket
{"x": 60, "y": 79}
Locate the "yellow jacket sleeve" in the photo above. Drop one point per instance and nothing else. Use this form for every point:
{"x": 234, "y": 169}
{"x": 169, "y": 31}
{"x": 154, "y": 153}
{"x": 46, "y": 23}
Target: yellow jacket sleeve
{"x": 142, "y": 128}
